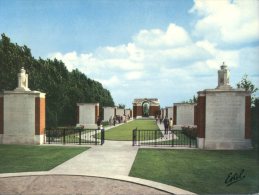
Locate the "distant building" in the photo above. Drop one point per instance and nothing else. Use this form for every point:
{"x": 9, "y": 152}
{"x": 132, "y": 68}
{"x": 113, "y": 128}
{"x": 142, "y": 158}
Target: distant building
{"x": 146, "y": 107}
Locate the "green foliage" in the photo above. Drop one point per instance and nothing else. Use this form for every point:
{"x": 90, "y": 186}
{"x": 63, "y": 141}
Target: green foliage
{"x": 18, "y": 158}
{"x": 121, "y": 106}
{"x": 193, "y": 100}
{"x": 246, "y": 84}
{"x": 63, "y": 88}
{"x": 199, "y": 171}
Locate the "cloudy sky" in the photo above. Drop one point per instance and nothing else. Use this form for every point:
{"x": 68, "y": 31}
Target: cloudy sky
{"x": 166, "y": 49}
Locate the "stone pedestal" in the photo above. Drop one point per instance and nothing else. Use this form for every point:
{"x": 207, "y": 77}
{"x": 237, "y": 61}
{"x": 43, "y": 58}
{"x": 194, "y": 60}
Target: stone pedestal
{"x": 128, "y": 112}
{"x": 169, "y": 112}
{"x": 184, "y": 114}
{"x": 87, "y": 114}
{"x": 120, "y": 111}
{"x": 108, "y": 113}
{"x": 22, "y": 114}
{"x": 224, "y": 116}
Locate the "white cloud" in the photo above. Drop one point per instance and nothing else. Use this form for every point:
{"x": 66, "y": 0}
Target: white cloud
{"x": 229, "y": 22}
{"x": 168, "y": 63}
{"x": 134, "y": 75}
{"x": 174, "y": 36}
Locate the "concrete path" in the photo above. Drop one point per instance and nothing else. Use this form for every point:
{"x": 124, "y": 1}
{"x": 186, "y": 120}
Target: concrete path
{"x": 112, "y": 158}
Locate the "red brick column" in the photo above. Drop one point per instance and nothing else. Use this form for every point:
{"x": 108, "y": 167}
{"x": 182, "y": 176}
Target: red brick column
{"x": 115, "y": 109}
{"x": 153, "y": 110}
{"x": 1, "y": 115}
{"x": 195, "y": 114}
{"x": 96, "y": 112}
{"x": 77, "y": 114}
{"x": 174, "y": 115}
{"x": 39, "y": 115}
{"x": 248, "y": 132}
{"x": 139, "y": 111}
{"x": 201, "y": 117}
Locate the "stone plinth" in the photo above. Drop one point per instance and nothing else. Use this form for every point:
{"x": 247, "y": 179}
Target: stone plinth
{"x": 120, "y": 111}
{"x": 184, "y": 114}
{"x": 224, "y": 116}
{"x": 224, "y": 119}
{"x": 108, "y": 113}
{"x": 22, "y": 117}
{"x": 128, "y": 112}
{"x": 169, "y": 112}
{"x": 87, "y": 114}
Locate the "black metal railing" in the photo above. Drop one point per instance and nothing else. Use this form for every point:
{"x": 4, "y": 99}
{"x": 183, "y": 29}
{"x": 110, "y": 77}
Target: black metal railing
{"x": 74, "y": 136}
{"x": 174, "y": 138}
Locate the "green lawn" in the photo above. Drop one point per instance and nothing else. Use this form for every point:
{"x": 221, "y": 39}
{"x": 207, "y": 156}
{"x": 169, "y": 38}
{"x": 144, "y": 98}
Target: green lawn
{"x": 199, "y": 171}
{"x": 22, "y": 158}
{"x": 124, "y": 132}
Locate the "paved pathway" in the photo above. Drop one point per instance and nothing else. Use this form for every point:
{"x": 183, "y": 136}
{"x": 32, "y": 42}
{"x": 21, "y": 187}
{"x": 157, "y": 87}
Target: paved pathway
{"x": 112, "y": 158}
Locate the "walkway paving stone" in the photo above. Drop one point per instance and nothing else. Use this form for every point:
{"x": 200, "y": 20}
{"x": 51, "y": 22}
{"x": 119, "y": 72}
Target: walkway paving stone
{"x": 112, "y": 158}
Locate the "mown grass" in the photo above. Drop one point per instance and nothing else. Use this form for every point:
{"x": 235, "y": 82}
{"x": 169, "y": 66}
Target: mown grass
{"x": 23, "y": 158}
{"x": 124, "y": 132}
{"x": 199, "y": 171}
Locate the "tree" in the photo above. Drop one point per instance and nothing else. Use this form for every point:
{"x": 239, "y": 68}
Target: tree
{"x": 121, "y": 106}
{"x": 191, "y": 101}
{"x": 246, "y": 84}
{"x": 63, "y": 88}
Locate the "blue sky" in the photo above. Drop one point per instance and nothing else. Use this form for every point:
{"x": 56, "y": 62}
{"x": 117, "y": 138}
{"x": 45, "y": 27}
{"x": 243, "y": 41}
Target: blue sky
{"x": 150, "y": 48}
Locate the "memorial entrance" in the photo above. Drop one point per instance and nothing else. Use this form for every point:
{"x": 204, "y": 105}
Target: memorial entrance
{"x": 146, "y": 107}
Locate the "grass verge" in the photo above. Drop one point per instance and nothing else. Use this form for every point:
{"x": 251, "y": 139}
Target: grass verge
{"x": 23, "y": 158}
{"x": 199, "y": 171}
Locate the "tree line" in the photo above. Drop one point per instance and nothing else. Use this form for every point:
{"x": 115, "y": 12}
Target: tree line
{"x": 63, "y": 88}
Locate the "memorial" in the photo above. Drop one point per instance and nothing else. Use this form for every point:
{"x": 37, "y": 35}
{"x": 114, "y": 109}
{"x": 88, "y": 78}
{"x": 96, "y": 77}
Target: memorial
{"x": 147, "y": 107}
{"x": 184, "y": 114}
{"x": 108, "y": 113}
{"x": 22, "y": 114}
{"x": 224, "y": 116}
{"x": 87, "y": 115}
{"x": 169, "y": 112}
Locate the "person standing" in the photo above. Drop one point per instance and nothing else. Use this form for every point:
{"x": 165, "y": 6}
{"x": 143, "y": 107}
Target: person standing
{"x": 166, "y": 125}
{"x": 171, "y": 124}
{"x": 99, "y": 122}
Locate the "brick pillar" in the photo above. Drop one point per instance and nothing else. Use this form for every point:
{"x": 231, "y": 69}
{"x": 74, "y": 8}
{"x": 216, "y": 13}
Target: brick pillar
{"x": 39, "y": 115}
{"x": 174, "y": 115}
{"x": 96, "y": 112}
{"x": 77, "y": 114}
{"x": 195, "y": 114}
{"x": 1, "y": 115}
{"x": 248, "y": 132}
{"x": 201, "y": 113}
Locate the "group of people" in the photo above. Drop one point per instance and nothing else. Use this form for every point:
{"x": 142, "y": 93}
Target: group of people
{"x": 168, "y": 123}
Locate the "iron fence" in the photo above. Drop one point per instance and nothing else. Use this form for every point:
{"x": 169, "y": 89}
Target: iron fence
{"x": 174, "y": 138}
{"x": 74, "y": 136}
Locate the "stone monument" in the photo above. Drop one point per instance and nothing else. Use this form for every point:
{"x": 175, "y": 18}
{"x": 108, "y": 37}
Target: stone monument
{"x": 169, "y": 112}
{"x": 108, "y": 113}
{"x": 184, "y": 114}
{"x": 87, "y": 115}
{"x": 22, "y": 114}
{"x": 224, "y": 116}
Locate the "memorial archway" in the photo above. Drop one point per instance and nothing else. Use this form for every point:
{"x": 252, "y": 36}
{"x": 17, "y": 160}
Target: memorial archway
{"x": 146, "y": 107}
